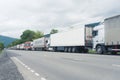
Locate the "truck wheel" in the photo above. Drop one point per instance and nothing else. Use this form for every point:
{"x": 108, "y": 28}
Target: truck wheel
{"x": 99, "y": 49}
{"x": 55, "y": 49}
{"x": 33, "y": 49}
{"x": 73, "y": 49}
{"x": 69, "y": 49}
{"x": 65, "y": 49}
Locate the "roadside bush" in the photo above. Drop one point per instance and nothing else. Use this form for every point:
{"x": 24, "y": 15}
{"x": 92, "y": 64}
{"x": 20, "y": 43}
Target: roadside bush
{"x": 1, "y": 46}
{"x": 92, "y": 51}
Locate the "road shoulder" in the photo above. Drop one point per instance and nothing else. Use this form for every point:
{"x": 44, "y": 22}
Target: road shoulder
{"x": 26, "y": 72}
{"x": 8, "y": 70}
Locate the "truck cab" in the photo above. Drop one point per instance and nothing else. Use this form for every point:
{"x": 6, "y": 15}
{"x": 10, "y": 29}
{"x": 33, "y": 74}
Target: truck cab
{"x": 98, "y": 37}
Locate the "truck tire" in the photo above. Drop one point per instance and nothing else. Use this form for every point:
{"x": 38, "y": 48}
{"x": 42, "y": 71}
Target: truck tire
{"x": 55, "y": 49}
{"x": 73, "y": 49}
{"x": 69, "y": 49}
{"x": 65, "y": 49}
{"x": 99, "y": 49}
{"x": 33, "y": 49}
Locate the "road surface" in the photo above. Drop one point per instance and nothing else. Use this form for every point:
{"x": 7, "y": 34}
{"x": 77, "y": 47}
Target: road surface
{"x": 41, "y": 65}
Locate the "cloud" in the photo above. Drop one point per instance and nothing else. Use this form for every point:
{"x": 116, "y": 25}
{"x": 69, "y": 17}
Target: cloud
{"x": 19, "y": 15}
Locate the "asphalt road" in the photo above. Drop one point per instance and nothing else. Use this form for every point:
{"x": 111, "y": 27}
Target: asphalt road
{"x": 40, "y": 65}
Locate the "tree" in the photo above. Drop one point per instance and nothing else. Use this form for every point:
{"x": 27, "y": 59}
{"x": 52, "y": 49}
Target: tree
{"x": 53, "y": 31}
{"x": 38, "y": 34}
{"x": 28, "y": 35}
{"x": 1, "y": 46}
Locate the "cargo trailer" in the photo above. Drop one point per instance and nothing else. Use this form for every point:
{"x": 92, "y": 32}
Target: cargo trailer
{"x": 74, "y": 40}
{"x": 42, "y": 43}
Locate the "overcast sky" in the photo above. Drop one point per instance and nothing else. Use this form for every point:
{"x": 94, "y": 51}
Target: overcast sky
{"x": 19, "y": 15}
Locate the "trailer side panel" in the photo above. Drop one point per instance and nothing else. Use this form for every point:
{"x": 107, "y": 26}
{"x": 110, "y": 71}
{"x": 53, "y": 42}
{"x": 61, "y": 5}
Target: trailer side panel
{"x": 112, "y": 30}
{"x": 73, "y": 37}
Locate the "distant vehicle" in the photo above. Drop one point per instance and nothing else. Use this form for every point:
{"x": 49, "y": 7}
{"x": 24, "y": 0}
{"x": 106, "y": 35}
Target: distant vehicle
{"x": 106, "y": 36}
{"x": 18, "y": 47}
{"x": 21, "y": 46}
{"x": 42, "y": 43}
{"x": 13, "y": 47}
{"x": 75, "y": 40}
{"x": 28, "y": 45}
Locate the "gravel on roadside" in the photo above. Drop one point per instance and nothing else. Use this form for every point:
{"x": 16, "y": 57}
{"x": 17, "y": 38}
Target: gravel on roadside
{"x": 8, "y": 70}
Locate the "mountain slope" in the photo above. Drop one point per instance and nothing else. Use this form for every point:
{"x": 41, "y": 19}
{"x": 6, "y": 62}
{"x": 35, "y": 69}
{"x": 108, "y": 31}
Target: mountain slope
{"x": 6, "y": 40}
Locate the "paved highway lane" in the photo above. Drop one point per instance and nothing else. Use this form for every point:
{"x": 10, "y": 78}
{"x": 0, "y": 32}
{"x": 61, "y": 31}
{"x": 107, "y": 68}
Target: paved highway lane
{"x": 40, "y": 65}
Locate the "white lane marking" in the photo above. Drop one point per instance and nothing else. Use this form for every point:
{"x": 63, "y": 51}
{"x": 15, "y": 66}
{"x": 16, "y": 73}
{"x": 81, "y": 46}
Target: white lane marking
{"x": 116, "y": 65}
{"x": 43, "y": 78}
{"x": 28, "y": 68}
{"x": 32, "y": 71}
{"x": 37, "y": 74}
{"x": 23, "y": 64}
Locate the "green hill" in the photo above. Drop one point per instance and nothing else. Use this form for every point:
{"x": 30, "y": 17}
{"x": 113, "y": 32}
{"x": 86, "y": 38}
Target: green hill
{"x": 6, "y": 40}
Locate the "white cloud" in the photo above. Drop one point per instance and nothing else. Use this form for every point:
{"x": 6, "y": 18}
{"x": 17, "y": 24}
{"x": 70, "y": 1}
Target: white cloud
{"x": 19, "y": 15}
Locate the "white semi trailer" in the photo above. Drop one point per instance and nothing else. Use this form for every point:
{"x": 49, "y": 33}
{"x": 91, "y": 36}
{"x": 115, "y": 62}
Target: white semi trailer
{"x": 21, "y": 46}
{"x": 41, "y": 43}
{"x": 106, "y": 36}
{"x": 74, "y": 40}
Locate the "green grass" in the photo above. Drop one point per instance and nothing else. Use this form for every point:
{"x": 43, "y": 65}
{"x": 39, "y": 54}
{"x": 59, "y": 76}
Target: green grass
{"x": 91, "y": 51}
{"x": 118, "y": 53}
{"x": 0, "y": 51}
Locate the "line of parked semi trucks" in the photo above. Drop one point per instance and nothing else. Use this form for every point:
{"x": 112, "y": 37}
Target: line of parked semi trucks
{"x": 102, "y": 37}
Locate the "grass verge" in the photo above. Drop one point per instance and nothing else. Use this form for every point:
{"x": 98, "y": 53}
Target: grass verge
{"x": 0, "y": 51}
{"x": 91, "y": 51}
